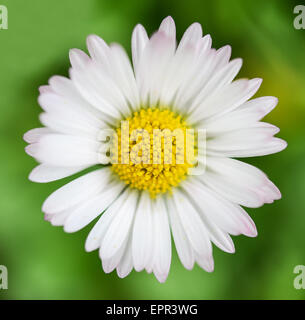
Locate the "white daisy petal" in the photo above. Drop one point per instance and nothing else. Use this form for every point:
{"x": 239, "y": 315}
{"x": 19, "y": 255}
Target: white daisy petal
{"x": 197, "y": 74}
{"x": 248, "y": 142}
{"x": 191, "y": 36}
{"x": 124, "y": 76}
{"x": 45, "y": 173}
{"x": 222, "y": 57}
{"x": 180, "y": 71}
{"x": 34, "y": 135}
{"x": 72, "y": 99}
{"x": 98, "y": 49}
{"x": 206, "y": 263}
{"x": 170, "y": 79}
{"x": 65, "y": 150}
{"x": 76, "y": 191}
{"x": 231, "y": 190}
{"x": 79, "y": 59}
{"x": 45, "y": 89}
{"x": 59, "y": 218}
{"x": 162, "y": 240}
{"x": 270, "y": 146}
{"x": 244, "y": 116}
{"x": 96, "y": 86}
{"x": 142, "y": 233}
{"x": 61, "y": 107}
{"x": 89, "y": 210}
{"x": 138, "y": 43}
{"x": 249, "y": 177}
{"x": 227, "y": 215}
{"x": 168, "y": 27}
{"x": 114, "y": 63}
{"x": 153, "y": 65}
{"x": 204, "y": 44}
{"x": 260, "y": 106}
{"x": 182, "y": 243}
{"x": 193, "y": 225}
{"x": 230, "y": 98}
{"x": 125, "y": 265}
{"x": 161, "y": 277}
{"x": 97, "y": 233}
{"x": 67, "y": 125}
{"x": 110, "y": 264}
{"x": 219, "y": 237}
{"x": 63, "y": 87}
{"x": 119, "y": 227}
{"x": 222, "y": 77}
{"x": 91, "y": 92}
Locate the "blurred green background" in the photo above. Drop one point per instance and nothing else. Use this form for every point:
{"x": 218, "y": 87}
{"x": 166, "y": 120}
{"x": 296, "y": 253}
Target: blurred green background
{"x": 44, "y": 262}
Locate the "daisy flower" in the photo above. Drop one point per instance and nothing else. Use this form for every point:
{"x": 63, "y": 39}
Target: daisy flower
{"x": 142, "y": 203}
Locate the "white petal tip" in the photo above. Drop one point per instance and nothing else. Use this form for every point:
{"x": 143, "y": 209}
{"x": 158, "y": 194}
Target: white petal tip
{"x": 273, "y": 101}
{"x": 161, "y": 277}
{"x": 92, "y": 37}
{"x": 123, "y": 274}
{"x": 283, "y": 144}
{"x": 56, "y": 223}
{"x": 251, "y": 232}
{"x": 48, "y": 217}
{"x": 227, "y": 48}
{"x": 208, "y": 39}
{"x": 257, "y": 80}
{"x": 89, "y": 248}
{"x": 196, "y": 25}
{"x": 278, "y": 145}
{"x": 30, "y": 150}
{"x": 138, "y": 28}
{"x": 107, "y": 267}
{"x": 105, "y": 254}
{"x": 69, "y": 229}
{"x": 237, "y": 63}
{"x": 206, "y": 264}
{"x": 168, "y": 26}
{"x": 44, "y": 89}
{"x": 188, "y": 267}
{"x": 168, "y": 20}
{"x": 46, "y": 208}
{"x": 26, "y": 137}
{"x": 148, "y": 270}
{"x": 229, "y": 248}
{"x": 209, "y": 268}
{"x": 138, "y": 267}
{"x": 210, "y": 265}
{"x": 32, "y": 177}
{"x": 78, "y": 58}
{"x": 94, "y": 40}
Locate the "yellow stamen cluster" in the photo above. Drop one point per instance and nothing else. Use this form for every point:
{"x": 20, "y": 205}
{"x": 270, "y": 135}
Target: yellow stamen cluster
{"x": 152, "y": 155}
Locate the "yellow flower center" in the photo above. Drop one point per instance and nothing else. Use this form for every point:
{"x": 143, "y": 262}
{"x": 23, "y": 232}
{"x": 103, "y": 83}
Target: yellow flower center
{"x": 153, "y": 151}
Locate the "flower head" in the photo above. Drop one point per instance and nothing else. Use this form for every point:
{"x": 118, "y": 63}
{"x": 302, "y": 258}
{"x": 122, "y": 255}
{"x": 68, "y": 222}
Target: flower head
{"x": 158, "y": 174}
